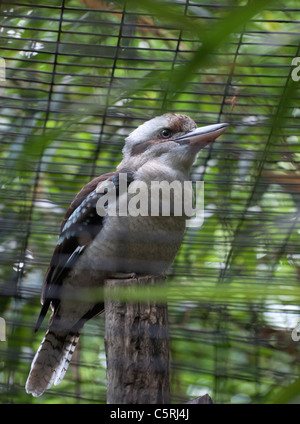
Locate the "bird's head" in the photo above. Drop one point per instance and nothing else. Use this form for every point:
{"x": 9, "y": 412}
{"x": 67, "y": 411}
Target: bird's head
{"x": 173, "y": 140}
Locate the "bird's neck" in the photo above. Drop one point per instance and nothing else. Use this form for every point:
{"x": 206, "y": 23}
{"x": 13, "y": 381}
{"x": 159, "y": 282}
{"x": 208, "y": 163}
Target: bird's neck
{"x": 154, "y": 170}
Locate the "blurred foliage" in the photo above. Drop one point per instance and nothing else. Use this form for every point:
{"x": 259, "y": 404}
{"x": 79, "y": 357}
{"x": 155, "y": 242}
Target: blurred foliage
{"x": 77, "y": 81}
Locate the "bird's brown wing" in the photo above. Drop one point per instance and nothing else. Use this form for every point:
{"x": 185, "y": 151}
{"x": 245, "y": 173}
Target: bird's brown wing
{"x": 80, "y": 226}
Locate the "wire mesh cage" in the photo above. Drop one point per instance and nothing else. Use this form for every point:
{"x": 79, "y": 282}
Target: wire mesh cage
{"x": 76, "y": 77}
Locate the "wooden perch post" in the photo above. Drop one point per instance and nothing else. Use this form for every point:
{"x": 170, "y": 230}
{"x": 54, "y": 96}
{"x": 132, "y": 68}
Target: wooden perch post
{"x": 137, "y": 344}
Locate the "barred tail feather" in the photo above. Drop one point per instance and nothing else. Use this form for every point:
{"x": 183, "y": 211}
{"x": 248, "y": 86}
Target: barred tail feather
{"x": 51, "y": 362}
{"x": 69, "y": 348}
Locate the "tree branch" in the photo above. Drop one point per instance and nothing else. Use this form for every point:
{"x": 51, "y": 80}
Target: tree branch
{"x": 137, "y": 344}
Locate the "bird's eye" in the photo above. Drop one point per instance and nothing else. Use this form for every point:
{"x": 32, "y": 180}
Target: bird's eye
{"x": 166, "y": 133}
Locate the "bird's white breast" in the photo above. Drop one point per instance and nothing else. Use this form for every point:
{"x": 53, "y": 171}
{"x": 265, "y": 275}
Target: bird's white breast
{"x": 142, "y": 244}
{"x": 137, "y": 244}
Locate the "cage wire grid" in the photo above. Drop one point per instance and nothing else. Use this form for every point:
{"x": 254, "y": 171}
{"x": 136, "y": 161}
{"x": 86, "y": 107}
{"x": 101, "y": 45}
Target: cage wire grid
{"x": 79, "y": 76}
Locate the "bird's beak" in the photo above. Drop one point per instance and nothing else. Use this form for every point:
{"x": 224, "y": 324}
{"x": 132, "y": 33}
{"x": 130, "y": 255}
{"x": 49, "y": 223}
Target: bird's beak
{"x": 200, "y": 137}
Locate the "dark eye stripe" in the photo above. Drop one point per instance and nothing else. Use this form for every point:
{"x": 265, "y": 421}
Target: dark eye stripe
{"x": 141, "y": 147}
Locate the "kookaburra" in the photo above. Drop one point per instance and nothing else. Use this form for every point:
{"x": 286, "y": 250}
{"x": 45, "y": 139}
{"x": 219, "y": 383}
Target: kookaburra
{"x": 91, "y": 248}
